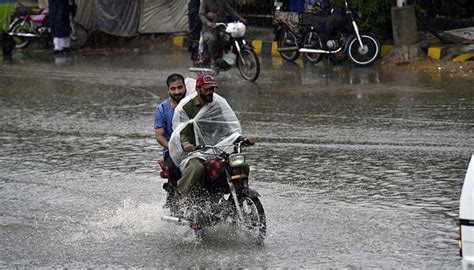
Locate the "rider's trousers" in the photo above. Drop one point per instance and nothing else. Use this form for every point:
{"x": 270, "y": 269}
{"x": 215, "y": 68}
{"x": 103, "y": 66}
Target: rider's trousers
{"x": 211, "y": 39}
{"x": 190, "y": 176}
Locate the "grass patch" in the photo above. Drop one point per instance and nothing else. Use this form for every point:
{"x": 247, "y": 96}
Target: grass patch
{"x": 5, "y": 15}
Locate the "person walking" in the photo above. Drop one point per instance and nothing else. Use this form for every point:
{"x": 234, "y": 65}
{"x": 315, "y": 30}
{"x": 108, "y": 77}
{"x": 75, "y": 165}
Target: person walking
{"x": 60, "y": 23}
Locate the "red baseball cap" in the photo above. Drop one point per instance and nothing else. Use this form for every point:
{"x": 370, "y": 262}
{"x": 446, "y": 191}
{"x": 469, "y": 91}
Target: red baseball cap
{"x": 205, "y": 81}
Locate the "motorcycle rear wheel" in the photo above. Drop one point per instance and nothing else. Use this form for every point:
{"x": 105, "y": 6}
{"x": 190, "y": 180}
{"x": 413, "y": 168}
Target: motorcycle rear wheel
{"x": 79, "y": 37}
{"x": 254, "y": 221}
{"x": 312, "y": 41}
{"x": 248, "y": 64}
{"x": 21, "y": 42}
{"x": 364, "y": 56}
{"x": 288, "y": 40}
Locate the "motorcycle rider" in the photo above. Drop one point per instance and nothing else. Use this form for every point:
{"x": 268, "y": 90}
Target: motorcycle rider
{"x": 210, "y": 12}
{"x": 204, "y": 118}
{"x": 164, "y": 127}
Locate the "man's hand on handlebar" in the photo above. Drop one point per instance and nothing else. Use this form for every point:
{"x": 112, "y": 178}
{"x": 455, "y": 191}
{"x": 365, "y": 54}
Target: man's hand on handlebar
{"x": 211, "y": 25}
{"x": 189, "y": 148}
{"x": 249, "y": 140}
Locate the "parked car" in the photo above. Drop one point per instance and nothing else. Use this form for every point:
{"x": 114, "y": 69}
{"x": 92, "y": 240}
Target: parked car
{"x": 466, "y": 218}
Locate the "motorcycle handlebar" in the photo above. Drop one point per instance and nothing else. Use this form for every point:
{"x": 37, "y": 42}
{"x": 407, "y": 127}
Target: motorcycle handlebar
{"x": 238, "y": 146}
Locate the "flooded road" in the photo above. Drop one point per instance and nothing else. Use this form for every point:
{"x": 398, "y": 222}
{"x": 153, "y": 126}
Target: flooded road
{"x": 357, "y": 168}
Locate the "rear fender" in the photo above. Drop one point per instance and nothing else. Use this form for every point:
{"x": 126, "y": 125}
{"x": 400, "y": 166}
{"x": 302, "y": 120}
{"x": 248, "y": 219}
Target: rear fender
{"x": 280, "y": 28}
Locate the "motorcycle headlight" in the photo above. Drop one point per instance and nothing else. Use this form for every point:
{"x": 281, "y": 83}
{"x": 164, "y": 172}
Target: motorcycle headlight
{"x": 236, "y": 160}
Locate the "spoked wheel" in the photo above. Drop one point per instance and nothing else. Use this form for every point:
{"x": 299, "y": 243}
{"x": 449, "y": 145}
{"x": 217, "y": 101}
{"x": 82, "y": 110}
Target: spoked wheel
{"x": 248, "y": 64}
{"x": 288, "y": 46}
{"x": 79, "y": 36}
{"x": 18, "y": 28}
{"x": 312, "y": 41}
{"x": 365, "y": 55}
{"x": 254, "y": 222}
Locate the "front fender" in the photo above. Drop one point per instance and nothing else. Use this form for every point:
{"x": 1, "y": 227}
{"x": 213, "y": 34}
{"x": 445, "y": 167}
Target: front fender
{"x": 248, "y": 46}
{"x": 250, "y": 193}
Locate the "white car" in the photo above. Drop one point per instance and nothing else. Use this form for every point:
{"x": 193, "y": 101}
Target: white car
{"x": 466, "y": 218}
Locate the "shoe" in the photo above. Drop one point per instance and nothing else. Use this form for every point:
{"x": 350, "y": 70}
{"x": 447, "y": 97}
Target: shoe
{"x": 66, "y": 52}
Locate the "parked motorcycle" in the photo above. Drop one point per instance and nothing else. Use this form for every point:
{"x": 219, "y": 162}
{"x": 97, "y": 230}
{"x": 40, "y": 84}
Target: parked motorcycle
{"x": 333, "y": 34}
{"x": 236, "y": 52}
{"x": 27, "y": 27}
{"x": 224, "y": 196}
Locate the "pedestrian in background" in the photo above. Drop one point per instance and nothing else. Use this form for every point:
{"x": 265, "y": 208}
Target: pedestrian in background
{"x": 59, "y": 19}
{"x": 194, "y": 31}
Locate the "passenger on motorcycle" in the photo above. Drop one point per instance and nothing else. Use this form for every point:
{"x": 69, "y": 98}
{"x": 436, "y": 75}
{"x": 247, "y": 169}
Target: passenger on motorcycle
{"x": 163, "y": 124}
{"x": 210, "y": 12}
{"x": 203, "y": 118}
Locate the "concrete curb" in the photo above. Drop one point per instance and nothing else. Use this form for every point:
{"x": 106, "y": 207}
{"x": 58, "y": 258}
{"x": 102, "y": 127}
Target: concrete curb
{"x": 457, "y": 53}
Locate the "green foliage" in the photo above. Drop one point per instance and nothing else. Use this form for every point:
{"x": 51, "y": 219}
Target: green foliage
{"x": 375, "y": 15}
{"x": 5, "y": 12}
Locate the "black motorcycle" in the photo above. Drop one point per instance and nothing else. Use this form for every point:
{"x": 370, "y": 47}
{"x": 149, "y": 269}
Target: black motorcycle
{"x": 224, "y": 195}
{"x": 330, "y": 33}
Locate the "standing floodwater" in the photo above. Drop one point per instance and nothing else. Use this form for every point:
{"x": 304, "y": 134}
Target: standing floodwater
{"x": 357, "y": 167}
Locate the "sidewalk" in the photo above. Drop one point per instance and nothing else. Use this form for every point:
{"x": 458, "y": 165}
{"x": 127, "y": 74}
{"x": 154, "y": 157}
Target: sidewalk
{"x": 462, "y": 48}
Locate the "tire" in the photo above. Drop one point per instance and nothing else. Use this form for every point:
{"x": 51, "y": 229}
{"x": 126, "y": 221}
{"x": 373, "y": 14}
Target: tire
{"x": 312, "y": 41}
{"x": 248, "y": 64}
{"x": 288, "y": 39}
{"x": 79, "y": 37}
{"x": 368, "y": 54}
{"x": 21, "y": 42}
{"x": 254, "y": 220}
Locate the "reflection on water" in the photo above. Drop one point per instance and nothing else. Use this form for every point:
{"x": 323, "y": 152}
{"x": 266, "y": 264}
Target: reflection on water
{"x": 356, "y": 167}
{"x": 339, "y": 74}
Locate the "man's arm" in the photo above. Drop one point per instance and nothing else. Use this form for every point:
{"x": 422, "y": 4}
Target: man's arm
{"x": 234, "y": 13}
{"x": 160, "y": 137}
{"x": 202, "y": 15}
{"x": 187, "y": 138}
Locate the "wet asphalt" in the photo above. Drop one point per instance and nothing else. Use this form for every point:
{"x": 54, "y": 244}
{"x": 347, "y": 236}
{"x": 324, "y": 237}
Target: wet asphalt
{"x": 357, "y": 167}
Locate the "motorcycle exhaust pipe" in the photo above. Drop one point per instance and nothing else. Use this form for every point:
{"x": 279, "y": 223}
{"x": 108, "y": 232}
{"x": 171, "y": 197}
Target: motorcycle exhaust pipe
{"x": 204, "y": 70}
{"x": 23, "y": 35}
{"x": 304, "y": 50}
{"x": 289, "y": 49}
{"x": 176, "y": 220}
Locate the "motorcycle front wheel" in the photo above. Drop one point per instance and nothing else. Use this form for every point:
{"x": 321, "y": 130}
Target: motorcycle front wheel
{"x": 254, "y": 221}
{"x": 366, "y": 55}
{"x": 248, "y": 64}
{"x": 18, "y": 27}
{"x": 288, "y": 46}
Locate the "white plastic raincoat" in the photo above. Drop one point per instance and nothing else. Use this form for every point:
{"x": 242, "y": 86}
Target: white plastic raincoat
{"x": 215, "y": 124}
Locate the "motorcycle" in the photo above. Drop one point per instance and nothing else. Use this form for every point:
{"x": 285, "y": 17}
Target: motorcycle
{"x": 224, "y": 195}
{"x": 236, "y": 52}
{"x": 28, "y": 26}
{"x": 344, "y": 39}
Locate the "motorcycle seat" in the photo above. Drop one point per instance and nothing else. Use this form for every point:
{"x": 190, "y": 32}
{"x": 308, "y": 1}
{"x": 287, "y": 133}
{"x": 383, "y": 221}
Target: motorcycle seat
{"x": 40, "y": 18}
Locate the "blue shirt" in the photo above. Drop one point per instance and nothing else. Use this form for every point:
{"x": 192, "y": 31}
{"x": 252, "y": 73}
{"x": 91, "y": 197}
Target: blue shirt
{"x": 164, "y": 117}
